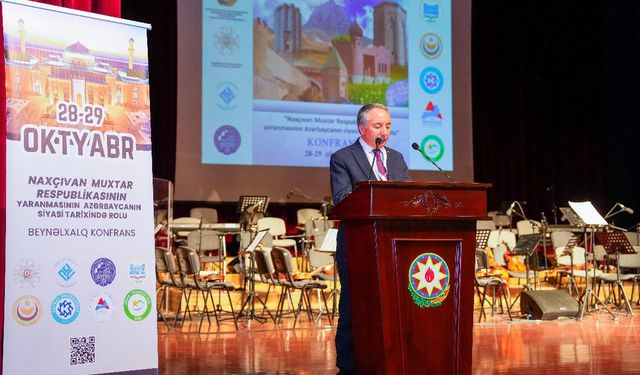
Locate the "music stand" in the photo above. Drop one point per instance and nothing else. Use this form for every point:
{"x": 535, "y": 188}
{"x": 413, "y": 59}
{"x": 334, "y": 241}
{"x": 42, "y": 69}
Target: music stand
{"x": 482, "y": 237}
{"x": 249, "y": 301}
{"x": 617, "y": 243}
{"x": 329, "y": 245}
{"x": 525, "y": 246}
{"x": 249, "y": 205}
{"x": 571, "y": 216}
{"x": 591, "y": 220}
{"x": 568, "y": 250}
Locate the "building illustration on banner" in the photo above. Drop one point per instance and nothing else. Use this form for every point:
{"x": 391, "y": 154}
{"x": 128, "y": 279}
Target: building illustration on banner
{"x": 108, "y": 89}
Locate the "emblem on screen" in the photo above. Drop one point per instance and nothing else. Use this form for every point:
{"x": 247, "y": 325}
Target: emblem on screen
{"x": 432, "y": 116}
{"x": 431, "y": 46}
{"x": 227, "y": 139}
{"x": 226, "y": 95}
{"x": 430, "y": 10}
{"x": 431, "y": 80}
{"x": 428, "y": 280}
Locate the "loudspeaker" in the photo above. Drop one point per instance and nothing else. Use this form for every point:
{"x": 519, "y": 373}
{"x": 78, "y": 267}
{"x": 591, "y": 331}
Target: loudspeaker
{"x": 548, "y": 304}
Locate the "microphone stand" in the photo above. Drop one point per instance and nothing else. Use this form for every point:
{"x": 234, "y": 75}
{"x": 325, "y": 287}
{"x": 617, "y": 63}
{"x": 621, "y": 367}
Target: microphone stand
{"x": 416, "y": 147}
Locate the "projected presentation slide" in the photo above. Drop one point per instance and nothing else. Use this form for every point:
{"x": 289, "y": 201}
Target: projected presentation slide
{"x": 283, "y": 81}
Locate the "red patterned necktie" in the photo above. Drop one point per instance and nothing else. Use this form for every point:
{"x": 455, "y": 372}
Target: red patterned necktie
{"x": 381, "y": 169}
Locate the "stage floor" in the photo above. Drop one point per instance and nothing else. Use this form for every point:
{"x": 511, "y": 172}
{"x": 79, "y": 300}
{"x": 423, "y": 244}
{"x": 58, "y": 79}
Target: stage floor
{"x": 596, "y": 345}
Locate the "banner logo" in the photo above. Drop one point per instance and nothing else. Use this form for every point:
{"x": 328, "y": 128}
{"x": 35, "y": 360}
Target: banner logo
{"x": 103, "y": 271}
{"x": 65, "y": 308}
{"x": 137, "y": 271}
{"x": 101, "y": 307}
{"x": 137, "y": 305}
{"x": 428, "y": 280}
{"x": 27, "y": 310}
{"x": 66, "y": 272}
{"x": 26, "y": 273}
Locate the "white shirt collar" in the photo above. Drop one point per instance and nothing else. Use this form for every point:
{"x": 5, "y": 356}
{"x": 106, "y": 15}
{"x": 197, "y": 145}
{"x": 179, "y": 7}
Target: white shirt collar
{"x": 368, "y": 150}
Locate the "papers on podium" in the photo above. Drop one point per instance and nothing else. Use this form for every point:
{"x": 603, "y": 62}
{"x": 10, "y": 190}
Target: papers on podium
{"x": 588, "y": 213}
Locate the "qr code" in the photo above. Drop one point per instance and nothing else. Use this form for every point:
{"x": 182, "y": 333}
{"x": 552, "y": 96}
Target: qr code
{"x": 82, "y": 350}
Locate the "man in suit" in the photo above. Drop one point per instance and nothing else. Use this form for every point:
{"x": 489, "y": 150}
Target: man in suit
{"x": 366, "y": 159}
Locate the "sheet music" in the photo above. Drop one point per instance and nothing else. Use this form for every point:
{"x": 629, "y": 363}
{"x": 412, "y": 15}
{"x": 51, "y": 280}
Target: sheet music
{"x": 256, "y": 240}
{"x": 330, "y": 240}
{"x": 587, "y": 213}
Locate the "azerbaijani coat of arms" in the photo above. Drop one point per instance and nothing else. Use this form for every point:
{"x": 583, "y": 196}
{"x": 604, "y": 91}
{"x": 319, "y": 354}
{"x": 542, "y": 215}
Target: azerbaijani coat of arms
{"x": 429, "y": 280}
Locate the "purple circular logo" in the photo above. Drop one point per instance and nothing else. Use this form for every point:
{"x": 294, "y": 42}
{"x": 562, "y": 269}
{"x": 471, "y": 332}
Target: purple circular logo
{"x": 103, "y": 271}
{"x": 227, "y": 139}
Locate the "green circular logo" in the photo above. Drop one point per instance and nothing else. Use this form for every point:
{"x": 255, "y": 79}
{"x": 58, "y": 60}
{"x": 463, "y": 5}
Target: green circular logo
{"x": 433, "y": 147}
{"x": 137, "y": 304}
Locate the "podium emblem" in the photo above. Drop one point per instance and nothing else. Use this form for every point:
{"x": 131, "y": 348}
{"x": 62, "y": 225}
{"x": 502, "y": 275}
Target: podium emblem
{"x": 428, "y": 280}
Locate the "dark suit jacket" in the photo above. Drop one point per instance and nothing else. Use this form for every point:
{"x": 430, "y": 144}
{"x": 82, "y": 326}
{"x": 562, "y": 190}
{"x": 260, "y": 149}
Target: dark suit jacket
{"x": 350, "y": 165}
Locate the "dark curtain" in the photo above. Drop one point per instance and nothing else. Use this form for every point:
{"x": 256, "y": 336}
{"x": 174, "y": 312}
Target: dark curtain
{"x": 105, "y": 7}
{"x": 163, "y": 60}
{"x": 554, "y": 93}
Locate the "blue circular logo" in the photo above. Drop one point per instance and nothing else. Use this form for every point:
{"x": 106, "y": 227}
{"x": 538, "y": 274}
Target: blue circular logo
{"x": 65, "y": 308}
{"x": 431, "y": 80}
{"x": 103, "y": 271}
{"x": 227, "y": 139}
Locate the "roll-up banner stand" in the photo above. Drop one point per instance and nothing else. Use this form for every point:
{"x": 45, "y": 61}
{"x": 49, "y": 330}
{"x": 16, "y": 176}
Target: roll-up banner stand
{"x": 79, "y": 271}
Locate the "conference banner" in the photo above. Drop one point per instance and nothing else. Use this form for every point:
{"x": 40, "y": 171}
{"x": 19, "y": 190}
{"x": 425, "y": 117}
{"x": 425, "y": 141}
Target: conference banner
{"x": 80, "y": 276}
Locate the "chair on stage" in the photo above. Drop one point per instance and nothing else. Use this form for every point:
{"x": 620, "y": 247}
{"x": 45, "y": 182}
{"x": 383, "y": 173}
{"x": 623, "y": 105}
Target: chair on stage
{"x": 193, "y": 223}
{"x": 278, "y": 230}
{"x": 206, "y": 214}
{"x": 168, "y": 275}
{"x": 265, "y": 273}
{"x": 284, "y": 271}
{"x": 485, "y": 224}
{"x": 493, "y": 286}
{"x": 618, "y": 247}
{"x": 528, "y": 227}
{"x": 206, "y": 242}
{"x": 167, "y": 278}
{"x": 303, "y": 215}
{"x": 190, "y": 269}
{"x": 502, "y": 242}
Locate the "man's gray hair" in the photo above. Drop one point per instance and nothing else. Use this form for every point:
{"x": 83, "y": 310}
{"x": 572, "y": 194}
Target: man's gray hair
{"x": 363, "y": 113}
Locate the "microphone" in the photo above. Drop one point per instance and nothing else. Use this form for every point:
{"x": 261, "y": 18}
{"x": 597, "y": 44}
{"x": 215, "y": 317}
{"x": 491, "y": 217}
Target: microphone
{"x": 375, "y": 154}
{"x": 510, "y": 209}
{"x": 416, "y": 147}
{"x": 628, "y": 210}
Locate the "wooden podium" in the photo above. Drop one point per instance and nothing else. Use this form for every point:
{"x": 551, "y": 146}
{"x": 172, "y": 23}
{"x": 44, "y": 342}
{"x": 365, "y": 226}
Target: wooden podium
{"x": 411, "y": 253}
